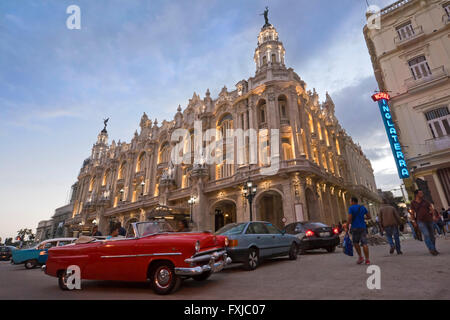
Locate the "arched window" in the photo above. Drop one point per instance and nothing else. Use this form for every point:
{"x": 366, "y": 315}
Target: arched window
{"x": 262, "y": 116}
{"x": 140, "y": 162}
{"x": 324, "y": 161}
{"x": 287, "y": 148}
{"x": 319, "y": 128}
{"x": 122, "y": 169}
{"x": 105, "y": 177}
{"x": 164, "y": 153}
{"x": 274, "y": 58}
{"x": 311, "y": 123}
{"x": 225, "y": 124}
{"x": 91, "y": 184}
{"x": 326, "y": 137}
{"x": 282, "y": 106}
{"x": 338, "y": 147}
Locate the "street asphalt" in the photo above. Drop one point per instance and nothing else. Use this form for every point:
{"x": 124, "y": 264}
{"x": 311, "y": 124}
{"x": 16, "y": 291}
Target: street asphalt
{"x": 317, "y": 275}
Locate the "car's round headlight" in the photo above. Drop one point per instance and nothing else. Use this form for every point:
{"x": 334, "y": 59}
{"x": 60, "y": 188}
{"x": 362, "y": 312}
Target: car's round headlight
{"x": 226, "y": 242}
{"x": 197, "y": 246}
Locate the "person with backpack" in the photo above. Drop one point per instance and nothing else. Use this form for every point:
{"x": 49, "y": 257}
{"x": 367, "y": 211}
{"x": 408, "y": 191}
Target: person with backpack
{"x": 356, "y": 218}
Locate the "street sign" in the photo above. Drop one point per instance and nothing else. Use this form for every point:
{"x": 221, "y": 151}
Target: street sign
{"x": 382, "y": 98}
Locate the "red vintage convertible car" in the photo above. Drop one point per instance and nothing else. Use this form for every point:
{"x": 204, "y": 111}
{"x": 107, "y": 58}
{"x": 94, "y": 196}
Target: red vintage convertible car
{"x": 152, "y": 252}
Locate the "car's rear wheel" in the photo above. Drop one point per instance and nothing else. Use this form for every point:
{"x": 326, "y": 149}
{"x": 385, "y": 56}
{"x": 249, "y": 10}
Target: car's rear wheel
{"x": 293, "y": 252}
{"x": 163, "y": 278}
{"x": 252, "y": 261}
{"x": 31, "y": 264}
{"x": 62, "y": 280}
{"x": 331, "y": 249}
{"x": 203, "y": 276}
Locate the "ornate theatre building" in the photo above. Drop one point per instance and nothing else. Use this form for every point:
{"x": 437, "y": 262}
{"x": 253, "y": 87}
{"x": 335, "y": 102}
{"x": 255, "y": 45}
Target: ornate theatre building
{"x": 320, "y": 166}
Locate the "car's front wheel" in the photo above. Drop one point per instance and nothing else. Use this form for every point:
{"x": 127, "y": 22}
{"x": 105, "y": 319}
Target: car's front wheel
{"x": 252, "y": 261}
{"x": 202, "y": 277}
{"x": 30, "y": 264}
{"x": 163, "y": 278}
{"x": 293, "y": 252}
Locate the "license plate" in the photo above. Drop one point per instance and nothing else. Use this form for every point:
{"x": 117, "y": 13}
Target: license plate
{"x": 324, "y": 234}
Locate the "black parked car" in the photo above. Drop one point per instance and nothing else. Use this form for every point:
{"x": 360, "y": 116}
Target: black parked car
{"x": 6, "y": 252}
{"x": 314, "y": 235}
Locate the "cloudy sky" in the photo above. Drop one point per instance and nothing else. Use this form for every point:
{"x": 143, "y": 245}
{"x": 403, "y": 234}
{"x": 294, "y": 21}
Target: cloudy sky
{"x": 131, "y": 56}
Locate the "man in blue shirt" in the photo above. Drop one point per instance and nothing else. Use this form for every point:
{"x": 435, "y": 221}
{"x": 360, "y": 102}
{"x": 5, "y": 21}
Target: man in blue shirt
{"x": 356, "y": 218}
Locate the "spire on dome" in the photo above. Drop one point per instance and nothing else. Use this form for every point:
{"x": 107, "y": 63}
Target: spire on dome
{"x": 270, "y": 51}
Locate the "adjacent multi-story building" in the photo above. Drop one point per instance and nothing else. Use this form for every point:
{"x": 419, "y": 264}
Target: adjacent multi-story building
{"x": 320, "y": 167}
{"x": 411, "y": 58}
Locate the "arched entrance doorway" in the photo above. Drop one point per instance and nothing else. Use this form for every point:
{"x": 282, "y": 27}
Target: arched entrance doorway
{"x": 269, "y": 207}
{"x": 312, "y": 205}
{"x": 224, "y": 213}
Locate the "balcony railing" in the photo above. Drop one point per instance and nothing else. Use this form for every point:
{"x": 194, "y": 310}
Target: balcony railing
{"x": 418, "y": 32}
{"x": 394, "y": 6}
{"x": 438, "y": 144}
{"x": 436, "y": 74}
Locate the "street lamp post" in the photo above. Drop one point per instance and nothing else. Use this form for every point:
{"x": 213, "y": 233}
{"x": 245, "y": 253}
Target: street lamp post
{"x": 121, "y": 194}
{"x": 191, "y": 202}
{"x": 249, "y": 192}
{"x": 142, "y": 188}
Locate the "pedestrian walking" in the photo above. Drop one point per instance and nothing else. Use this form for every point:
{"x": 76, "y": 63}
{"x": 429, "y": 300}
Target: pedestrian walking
{"x": 390, "y": 222}
{"x": 358, "y": 229}
{"x": 445, "y": 215}
{"x": 423, "y": 214}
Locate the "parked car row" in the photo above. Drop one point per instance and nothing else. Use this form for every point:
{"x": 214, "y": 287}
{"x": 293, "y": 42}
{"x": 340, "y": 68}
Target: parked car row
{"x": 6, "y": 252}
{"x": 153, "y": 251}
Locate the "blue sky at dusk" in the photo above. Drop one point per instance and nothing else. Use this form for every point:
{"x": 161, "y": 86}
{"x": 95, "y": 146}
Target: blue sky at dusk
{"x": 130, "y": 56}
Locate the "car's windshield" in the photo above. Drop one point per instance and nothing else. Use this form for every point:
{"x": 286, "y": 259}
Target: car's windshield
{"x": 232, "y": 228}
{"x": 152, "y": 227}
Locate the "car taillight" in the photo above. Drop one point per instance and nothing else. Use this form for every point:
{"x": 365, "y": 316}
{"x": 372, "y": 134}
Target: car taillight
{"x": 309, "y": 233}
{"x": 233, "y": 243}
{"x": 336, "y": 230}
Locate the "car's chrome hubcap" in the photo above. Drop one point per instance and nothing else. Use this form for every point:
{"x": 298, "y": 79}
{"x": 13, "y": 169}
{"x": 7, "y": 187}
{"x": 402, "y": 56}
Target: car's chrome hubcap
{"x": 163, "y": 277}
{"x": 253, "y": 259}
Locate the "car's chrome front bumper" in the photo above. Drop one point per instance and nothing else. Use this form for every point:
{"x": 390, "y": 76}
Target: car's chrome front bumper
{"x": 212, "y": 265}
{"x": 44, "y": 267}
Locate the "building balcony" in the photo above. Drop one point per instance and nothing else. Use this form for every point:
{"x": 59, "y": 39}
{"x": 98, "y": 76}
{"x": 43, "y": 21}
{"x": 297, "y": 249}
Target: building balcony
{"x": 417, "y": 35}
{"x": 438, "y": 144}
{"x": 437, "y": 75}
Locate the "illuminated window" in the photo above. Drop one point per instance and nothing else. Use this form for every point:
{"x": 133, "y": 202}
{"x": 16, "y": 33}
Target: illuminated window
{"x": 274, "y": 58}
{"x": 122, "y": 170}
{"x": 311, "y": 123}
{"x": 264, "y": 60}
{"x": 140, "y": 162}
{"x": 91, "y": 184}
{"x": 105, "y": 177}
{"x": 324, "y": 161}
{"x": 287, "y": 148}
{"x": 338, "y": 147}
{"x": 319, "y": 128}
{"x": 326, "y": 137}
